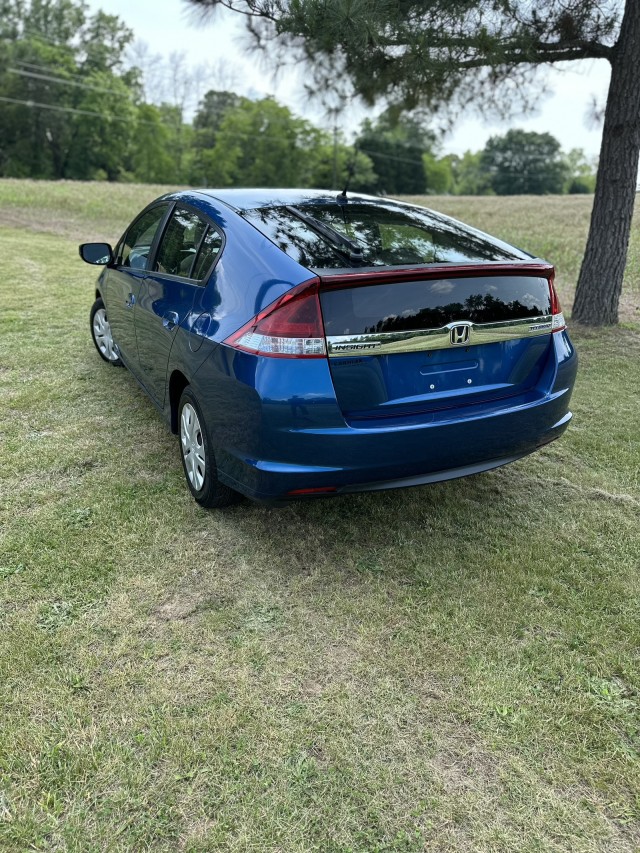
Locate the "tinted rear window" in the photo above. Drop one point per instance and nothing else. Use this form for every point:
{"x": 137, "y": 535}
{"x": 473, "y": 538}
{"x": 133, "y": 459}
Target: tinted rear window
{"x": 388, "y": 234}
{"x": 415, "y": 305}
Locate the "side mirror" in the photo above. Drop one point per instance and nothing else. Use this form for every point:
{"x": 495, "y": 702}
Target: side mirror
{"x": 96, "y": 253}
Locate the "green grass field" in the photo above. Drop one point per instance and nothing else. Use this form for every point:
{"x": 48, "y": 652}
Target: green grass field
{"x": 448, "y": 668}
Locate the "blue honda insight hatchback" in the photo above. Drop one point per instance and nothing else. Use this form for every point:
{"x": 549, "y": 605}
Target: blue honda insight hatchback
{"x": 305, "y": 344}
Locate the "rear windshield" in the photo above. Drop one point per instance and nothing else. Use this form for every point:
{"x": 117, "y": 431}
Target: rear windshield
{"x": 382, "y": 234}
{"x": 415, "y": 305}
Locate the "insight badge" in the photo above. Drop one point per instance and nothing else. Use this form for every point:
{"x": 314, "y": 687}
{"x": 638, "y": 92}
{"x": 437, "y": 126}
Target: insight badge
{"x": 355, "y": 346}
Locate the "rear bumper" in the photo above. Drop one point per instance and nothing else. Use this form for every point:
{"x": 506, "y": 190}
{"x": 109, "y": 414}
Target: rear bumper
{"x": 398, "y": 458}
{"x": 454, "y": 473}
{"x": 270, "y": 444}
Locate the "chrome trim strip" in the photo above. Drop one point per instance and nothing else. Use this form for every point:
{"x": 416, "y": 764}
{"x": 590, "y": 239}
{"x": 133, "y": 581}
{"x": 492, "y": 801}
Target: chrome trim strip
{"x": 386, "y": 343}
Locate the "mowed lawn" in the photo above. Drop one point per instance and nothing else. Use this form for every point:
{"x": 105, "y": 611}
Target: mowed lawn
{"x": 448, "y": 668}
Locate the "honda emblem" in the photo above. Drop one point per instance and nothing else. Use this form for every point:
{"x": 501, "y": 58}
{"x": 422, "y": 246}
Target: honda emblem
{"x": 460, "y": 334}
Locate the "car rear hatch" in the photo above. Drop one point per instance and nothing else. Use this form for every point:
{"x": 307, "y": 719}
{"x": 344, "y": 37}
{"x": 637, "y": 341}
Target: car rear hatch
{"x": 405, "y": 343}
{"x": 420, "y": 313}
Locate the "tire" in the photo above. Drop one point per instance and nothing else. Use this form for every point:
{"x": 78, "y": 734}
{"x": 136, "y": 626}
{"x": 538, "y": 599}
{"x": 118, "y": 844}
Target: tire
{"x": 101, "y": 334}
{"x": 197, "y": 456}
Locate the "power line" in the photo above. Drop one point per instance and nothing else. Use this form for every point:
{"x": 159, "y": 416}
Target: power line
{"x": 61, "y": 80}
{"x": 391, "y": 157}
{"x": 38, "y": 66}
{"x": 37, "y": 105}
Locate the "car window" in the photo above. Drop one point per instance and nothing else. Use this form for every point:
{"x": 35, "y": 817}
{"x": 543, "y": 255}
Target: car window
{"x": 403, "y": 243}
{"x": 415, "y": 305}
{"x": 136, "y": 245}
{"x": 209, "y": 249}
{"x": 295, "y": 237}
{"x": 180, "y": 243}
{"x": 385, "y": 235}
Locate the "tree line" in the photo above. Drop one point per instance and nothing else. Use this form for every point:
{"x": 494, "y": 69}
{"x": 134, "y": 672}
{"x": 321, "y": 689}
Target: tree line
{"x": 73, "y": 107}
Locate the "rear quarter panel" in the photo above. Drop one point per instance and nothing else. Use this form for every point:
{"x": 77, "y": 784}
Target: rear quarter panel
{"x": 251, "y": 273}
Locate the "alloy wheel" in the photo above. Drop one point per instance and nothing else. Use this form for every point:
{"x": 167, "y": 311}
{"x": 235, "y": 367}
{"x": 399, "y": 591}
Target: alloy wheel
{"x": 192, "y": 441}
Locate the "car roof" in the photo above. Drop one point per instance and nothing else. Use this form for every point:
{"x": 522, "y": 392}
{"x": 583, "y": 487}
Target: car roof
{"x": 249, "y": 199}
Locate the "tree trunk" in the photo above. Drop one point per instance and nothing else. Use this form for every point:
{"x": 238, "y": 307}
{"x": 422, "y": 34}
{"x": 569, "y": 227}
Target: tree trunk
{"x": 600, "y": 281}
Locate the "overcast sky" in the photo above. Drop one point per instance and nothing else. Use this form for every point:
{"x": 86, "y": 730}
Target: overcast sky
{"x": 168, "y": 25}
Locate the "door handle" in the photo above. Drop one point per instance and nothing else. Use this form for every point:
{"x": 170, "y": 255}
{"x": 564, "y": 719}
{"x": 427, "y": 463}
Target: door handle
{"x": 131, "y": 301}
{"x": 170, "y": 320}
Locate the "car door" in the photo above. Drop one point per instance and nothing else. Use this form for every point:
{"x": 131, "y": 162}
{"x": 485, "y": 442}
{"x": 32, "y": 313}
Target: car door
{"x": 126, "y": 277}
{"x": 169, "y": 298}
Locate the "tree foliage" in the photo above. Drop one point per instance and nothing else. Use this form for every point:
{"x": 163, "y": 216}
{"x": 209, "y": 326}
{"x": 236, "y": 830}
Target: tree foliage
{"x": 395, "y": 146}
{"x": 469, "y": 174}
{"x": 429, "y": 53}
{"x": 351, "y": 166}
{"x": 257, "y": 143}
{"x": 581, "y": 172}
{"x": 240, "y": 142}
{"x": 60, "y": 68}
{"x": 151, "y": 159}
{"x": 438, "y": 174}
{"x": 522, "y": 162}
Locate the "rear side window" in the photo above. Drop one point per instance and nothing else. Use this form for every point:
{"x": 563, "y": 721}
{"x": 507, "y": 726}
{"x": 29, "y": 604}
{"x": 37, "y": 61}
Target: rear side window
{"x": 387, "y": 235}
{"x": 180, "y": 243}
{"x": 417, "y": 305}
{"x": 208, "y": 252}
{"x": 188, "y": 246}
{"x": 135, "y": 247}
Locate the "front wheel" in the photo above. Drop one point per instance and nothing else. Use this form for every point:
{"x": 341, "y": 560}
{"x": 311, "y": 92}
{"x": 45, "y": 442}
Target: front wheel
{"x": 101, "y": 334}
{"x": 197, "y": 456}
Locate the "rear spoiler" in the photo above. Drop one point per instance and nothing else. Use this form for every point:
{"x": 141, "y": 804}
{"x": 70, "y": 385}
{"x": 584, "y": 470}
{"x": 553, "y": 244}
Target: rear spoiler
{"x": 377, "y": 275}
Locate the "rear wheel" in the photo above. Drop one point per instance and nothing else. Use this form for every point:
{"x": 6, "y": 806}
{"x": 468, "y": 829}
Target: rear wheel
{"x": 197, "y": 456}
{"x": 101, "y": 334}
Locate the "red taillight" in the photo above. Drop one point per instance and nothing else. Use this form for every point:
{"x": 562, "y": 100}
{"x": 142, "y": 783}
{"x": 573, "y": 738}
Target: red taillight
{"x": 558, "y": 323}
{"x": 291, "y": 327}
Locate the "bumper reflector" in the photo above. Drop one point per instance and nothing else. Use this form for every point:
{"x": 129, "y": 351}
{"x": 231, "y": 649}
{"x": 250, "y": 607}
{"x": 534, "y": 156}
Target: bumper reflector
{"x": 317, "y": 491}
